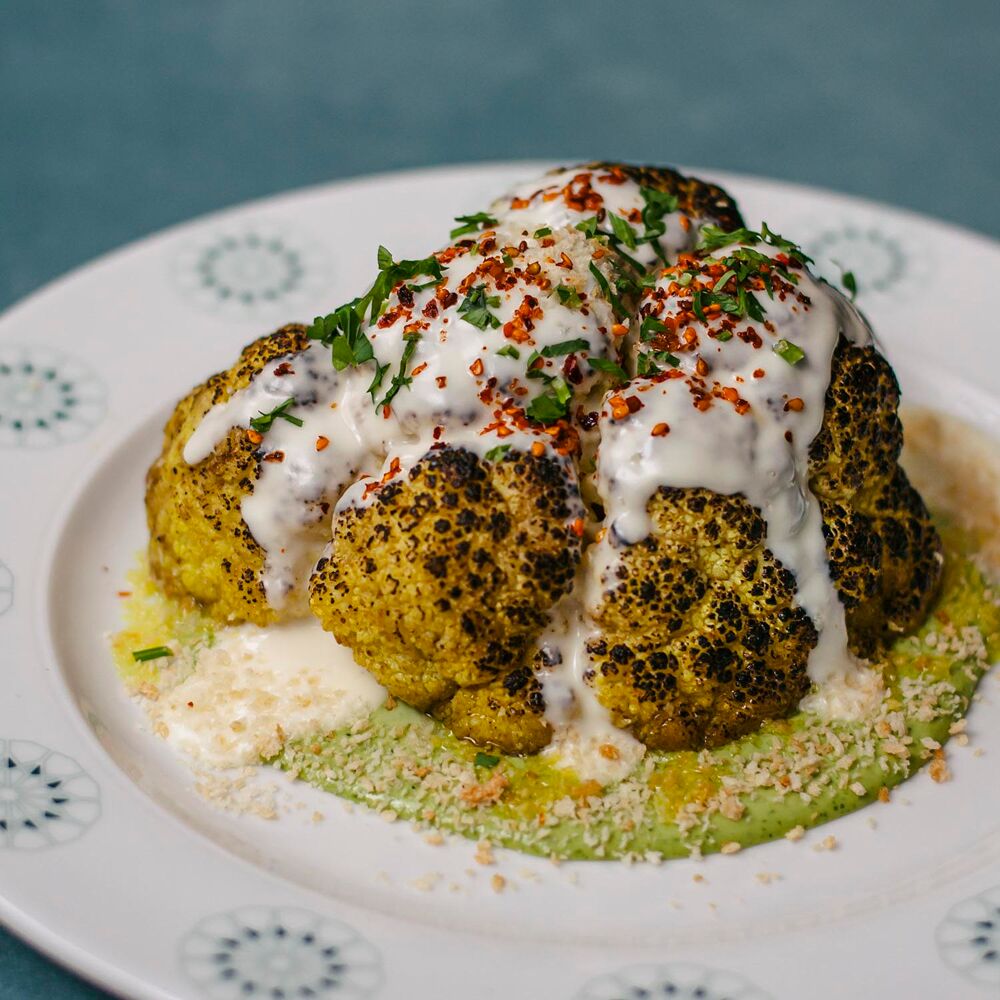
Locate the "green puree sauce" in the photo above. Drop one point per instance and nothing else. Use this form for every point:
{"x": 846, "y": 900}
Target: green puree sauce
{"x": 801, "y": 771}
{"x": 797, "y": 772}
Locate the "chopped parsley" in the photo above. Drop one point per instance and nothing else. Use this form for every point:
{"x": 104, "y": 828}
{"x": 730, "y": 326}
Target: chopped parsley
{"x": 265, "y": 421}
{"x": 509, "y": 351}
{"x": 475, "y": 308}
{"x": 544, "y": 231}
{"x": 849, "y": 282}
{"x": 565, "y": 347}
{"x": 646, "y": 364}
{"x": 609, "y": 367}
{"x": 401, "y": 379}
{"x": 495, "y": 454}
{"x": 650, "y": 327}
{"x": 472, "y": 223}
{"x": 569, "y": 296}
{"x": 588, "y": 226}
{"x": 486, "y": 759}
{"x": 342, "y": 330}
{"x": 715, "y": 237}
{"x": 605, "y": 286}
{"x": 788, "y": 351}
{"x": 152, "y": 653}
{"x": 623, "y": 231}
{"x": 551, "y": 404}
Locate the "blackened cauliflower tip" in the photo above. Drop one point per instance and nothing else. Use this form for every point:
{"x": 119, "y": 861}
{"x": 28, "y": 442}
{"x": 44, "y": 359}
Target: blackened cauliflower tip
{"x": 199, "y": 544}
{"x": 441, "y": 583}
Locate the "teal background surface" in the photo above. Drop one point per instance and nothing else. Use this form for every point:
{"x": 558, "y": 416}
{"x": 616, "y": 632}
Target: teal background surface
{"x": 118, "y": 118}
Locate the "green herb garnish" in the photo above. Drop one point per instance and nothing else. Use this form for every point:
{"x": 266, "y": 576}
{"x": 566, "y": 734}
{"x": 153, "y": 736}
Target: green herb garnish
{"x": 341, "y": 330}
{"x": 509, "y": 351}
{"x": 475, "y": 308}
{"x": 152, "y": 653}
{"x": 487, "y": 759}
{"x": 788, "y": 351}
{"x": 588, "y": 226}
{"x": 849, "y": 282}
{"x": 495, "y": 454}
{"x": 472, "y": 223}
{"x": 623, "y": 231}
{"x": 569, "y": 296}
{"x": 544, "y": 231}
{"x": 566, "y": 347}
{"x": 551, "y": 404}
{"x": 263, "y": 423}
{"x": 401, "y": 379}
{"x": 609, "y": 367}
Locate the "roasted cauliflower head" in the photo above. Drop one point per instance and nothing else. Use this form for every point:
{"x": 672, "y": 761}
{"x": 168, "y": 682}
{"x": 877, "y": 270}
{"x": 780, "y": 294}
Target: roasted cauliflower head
{"x": 199, "y": 545}
{"x": 442, "y": 579}
{"x": 606, "y": 358}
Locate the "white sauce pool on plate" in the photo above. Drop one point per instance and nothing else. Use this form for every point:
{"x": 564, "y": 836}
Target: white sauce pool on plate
{"x": 257, "y": 683}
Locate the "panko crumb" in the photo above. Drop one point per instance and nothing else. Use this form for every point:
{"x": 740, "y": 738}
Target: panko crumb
{"x": 938, "y": 768}
{"x": 827, "y": 844}
{"x": 796, "y": 833}
{"x": 766, "y": 878}
{"x": 484, "y": 853}
{"x": 498, "y": 883}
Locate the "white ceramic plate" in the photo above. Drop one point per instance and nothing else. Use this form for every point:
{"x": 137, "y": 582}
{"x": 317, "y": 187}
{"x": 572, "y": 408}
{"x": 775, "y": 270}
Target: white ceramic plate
{"x": 113, "y": 865}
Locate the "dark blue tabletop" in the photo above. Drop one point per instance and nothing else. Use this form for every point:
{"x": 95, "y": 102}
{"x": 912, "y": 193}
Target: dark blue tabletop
{"x": 119, "y": 118}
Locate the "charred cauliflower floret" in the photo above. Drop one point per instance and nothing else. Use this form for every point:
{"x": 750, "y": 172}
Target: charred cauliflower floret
{"x": 700, "y": 640}
{"x": 199, "y": 545}
{"x": 884, "y": 553}
{"x": 441, "y": 581}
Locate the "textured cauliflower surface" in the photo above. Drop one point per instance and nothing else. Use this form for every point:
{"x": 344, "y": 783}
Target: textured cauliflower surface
{"x": 199, "y": 545}
{"x": 443, "y": 580}
{"x": 700, "y": 640}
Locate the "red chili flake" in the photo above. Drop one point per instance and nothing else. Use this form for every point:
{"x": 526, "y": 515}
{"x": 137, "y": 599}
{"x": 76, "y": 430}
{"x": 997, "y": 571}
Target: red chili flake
{"x": 519, "y": 203}
{"x": 618, "y": 329}
{"x": 255, "y": 436}
{"x": 537, "y": 449}
{"x": 742, "y": 406}
{"x": 445, "y": 297}
{"x": 788, "y": 436}
{"x": 565, "y": 261}
{"x": 390, "y": 316}
{"x": 634, "y": 404}
{"x": 758, "y": 373}
{"x": 431, "y": 309}
{"x": 322, "y": 442}
{"x": 274, "y": 456}
{"x": 577, "y": 527}
{"x": 795, "y": 404}
{"x": 476, "y": 367}
{"x": 442, "y": 381}
{"x": 124, "y": 593}
{"x": 437, "y": 432}
{"x": 405, "y": 296}
{"x": 548, "y": 242}
{"x": 660, "y": 430}
{"x": 685, "y": 223}
{"x": 701, "y": 367}
{"x": 419, "y": 368}
{"x": 386, "y": 412}
{"x": 284, "y": 369}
